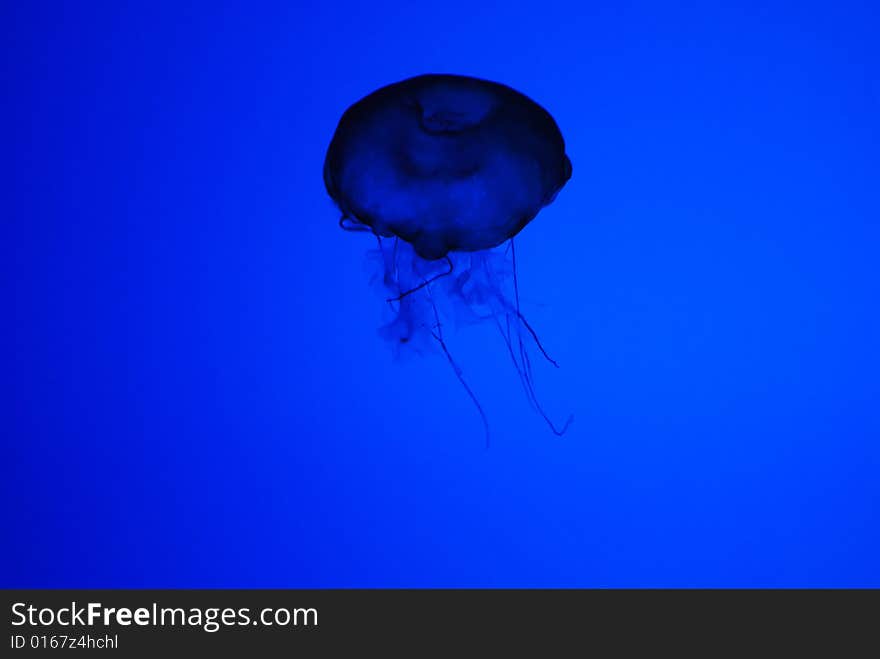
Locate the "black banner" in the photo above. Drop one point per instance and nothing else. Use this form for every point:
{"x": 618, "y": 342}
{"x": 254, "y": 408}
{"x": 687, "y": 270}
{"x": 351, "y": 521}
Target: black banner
{"x": 128, "y": 622}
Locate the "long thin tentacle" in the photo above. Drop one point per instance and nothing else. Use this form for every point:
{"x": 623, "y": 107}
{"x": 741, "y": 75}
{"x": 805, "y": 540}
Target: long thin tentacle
{"x": 524, "y": 366}
{"x": 424, "y": 283}
{"x": 437, "y": 333}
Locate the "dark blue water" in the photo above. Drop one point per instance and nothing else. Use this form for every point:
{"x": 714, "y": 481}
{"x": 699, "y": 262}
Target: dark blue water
{"x": 194, "y": 391}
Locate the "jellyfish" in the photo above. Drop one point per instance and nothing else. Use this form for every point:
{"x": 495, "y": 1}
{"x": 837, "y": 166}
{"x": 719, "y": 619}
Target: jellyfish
{"x": 445, "y": 170}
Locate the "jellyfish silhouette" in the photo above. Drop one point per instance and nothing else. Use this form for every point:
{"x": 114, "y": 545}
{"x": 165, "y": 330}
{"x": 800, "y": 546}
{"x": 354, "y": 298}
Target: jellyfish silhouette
{"x": 445, "y": 170}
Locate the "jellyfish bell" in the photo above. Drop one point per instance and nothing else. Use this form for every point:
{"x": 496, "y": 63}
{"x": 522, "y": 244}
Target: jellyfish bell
{"x": 445, "y": 170}
{"x": 446, "y": 163}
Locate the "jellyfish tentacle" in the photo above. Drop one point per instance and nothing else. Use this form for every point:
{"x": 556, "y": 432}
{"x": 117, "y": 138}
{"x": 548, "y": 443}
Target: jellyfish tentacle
{"x": 525, "y": 375}
{"x": 536, "y": 339}
{"x": 523, "y": 378}
{"x": 519, "y": 313}
{"x": 524, "y": 364}
{"x": 425, "y": 282}
{"x": 438, "y": 336}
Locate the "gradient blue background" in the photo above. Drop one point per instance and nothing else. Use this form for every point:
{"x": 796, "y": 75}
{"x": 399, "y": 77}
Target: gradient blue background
{"x": 194, "y": 392}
